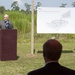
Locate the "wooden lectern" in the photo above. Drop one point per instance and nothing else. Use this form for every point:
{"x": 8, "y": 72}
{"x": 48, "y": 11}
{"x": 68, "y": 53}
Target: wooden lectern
{"x": 8, "y": 44}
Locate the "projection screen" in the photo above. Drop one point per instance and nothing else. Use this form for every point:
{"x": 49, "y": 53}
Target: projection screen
{"x": 55, "y": 20}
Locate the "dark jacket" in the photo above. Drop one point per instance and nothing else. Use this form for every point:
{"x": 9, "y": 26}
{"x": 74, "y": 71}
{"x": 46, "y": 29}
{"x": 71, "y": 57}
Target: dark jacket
{"x": 3, "y": 25}
{"x": 53, "y": 68}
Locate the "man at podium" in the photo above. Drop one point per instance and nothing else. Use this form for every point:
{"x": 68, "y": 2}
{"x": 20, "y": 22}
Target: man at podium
{"x": 6, "y": 24}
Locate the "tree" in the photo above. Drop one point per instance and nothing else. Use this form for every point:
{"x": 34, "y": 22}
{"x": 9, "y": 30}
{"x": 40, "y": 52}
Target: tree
{"x": 22, "y": 10}
{"x": 28, "y": 7}
{"x": 2, "y": 9}
{"x": 15, "y": 6}
{"x": 73, "y": 4}
{"x": 63, "y": 5}
{"x": 38, "y": 5}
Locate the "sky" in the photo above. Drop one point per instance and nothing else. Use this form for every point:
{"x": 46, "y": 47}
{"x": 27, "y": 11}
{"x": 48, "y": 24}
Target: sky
{"x": 45, "y": 3}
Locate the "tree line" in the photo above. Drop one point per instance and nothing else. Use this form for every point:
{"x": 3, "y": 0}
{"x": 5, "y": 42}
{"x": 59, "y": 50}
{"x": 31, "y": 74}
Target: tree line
{"x": 65, "y": 4}
{"x": 15, "y": 7}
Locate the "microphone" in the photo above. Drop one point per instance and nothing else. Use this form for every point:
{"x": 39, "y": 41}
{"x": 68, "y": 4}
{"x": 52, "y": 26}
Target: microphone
{"x": 7, "y": 25}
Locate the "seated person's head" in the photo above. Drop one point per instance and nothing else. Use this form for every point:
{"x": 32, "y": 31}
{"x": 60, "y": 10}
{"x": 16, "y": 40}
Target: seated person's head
{"x": 52, "y": 50}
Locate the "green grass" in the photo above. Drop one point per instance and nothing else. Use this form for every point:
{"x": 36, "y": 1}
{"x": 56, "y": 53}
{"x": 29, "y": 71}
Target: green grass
{"x": 27, "y": 62}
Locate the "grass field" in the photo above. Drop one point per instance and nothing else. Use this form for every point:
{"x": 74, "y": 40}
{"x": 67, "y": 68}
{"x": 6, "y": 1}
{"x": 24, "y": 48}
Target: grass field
{"x": 27, "y": 62}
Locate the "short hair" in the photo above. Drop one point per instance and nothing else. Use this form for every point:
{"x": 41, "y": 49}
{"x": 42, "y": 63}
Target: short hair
{"x": 52, "y": 49}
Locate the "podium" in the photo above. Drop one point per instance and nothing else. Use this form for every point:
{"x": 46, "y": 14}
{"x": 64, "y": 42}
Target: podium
{"x": 8, "y": 44}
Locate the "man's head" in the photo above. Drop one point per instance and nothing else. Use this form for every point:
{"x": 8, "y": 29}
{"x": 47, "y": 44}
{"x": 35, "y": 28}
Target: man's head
{"x": 6, "y": 17}
{"x": 52, "y": 50}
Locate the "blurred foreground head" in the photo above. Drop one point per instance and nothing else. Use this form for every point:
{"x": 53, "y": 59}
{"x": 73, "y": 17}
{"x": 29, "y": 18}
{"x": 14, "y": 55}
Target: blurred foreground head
{"x": 52, "y": 50}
